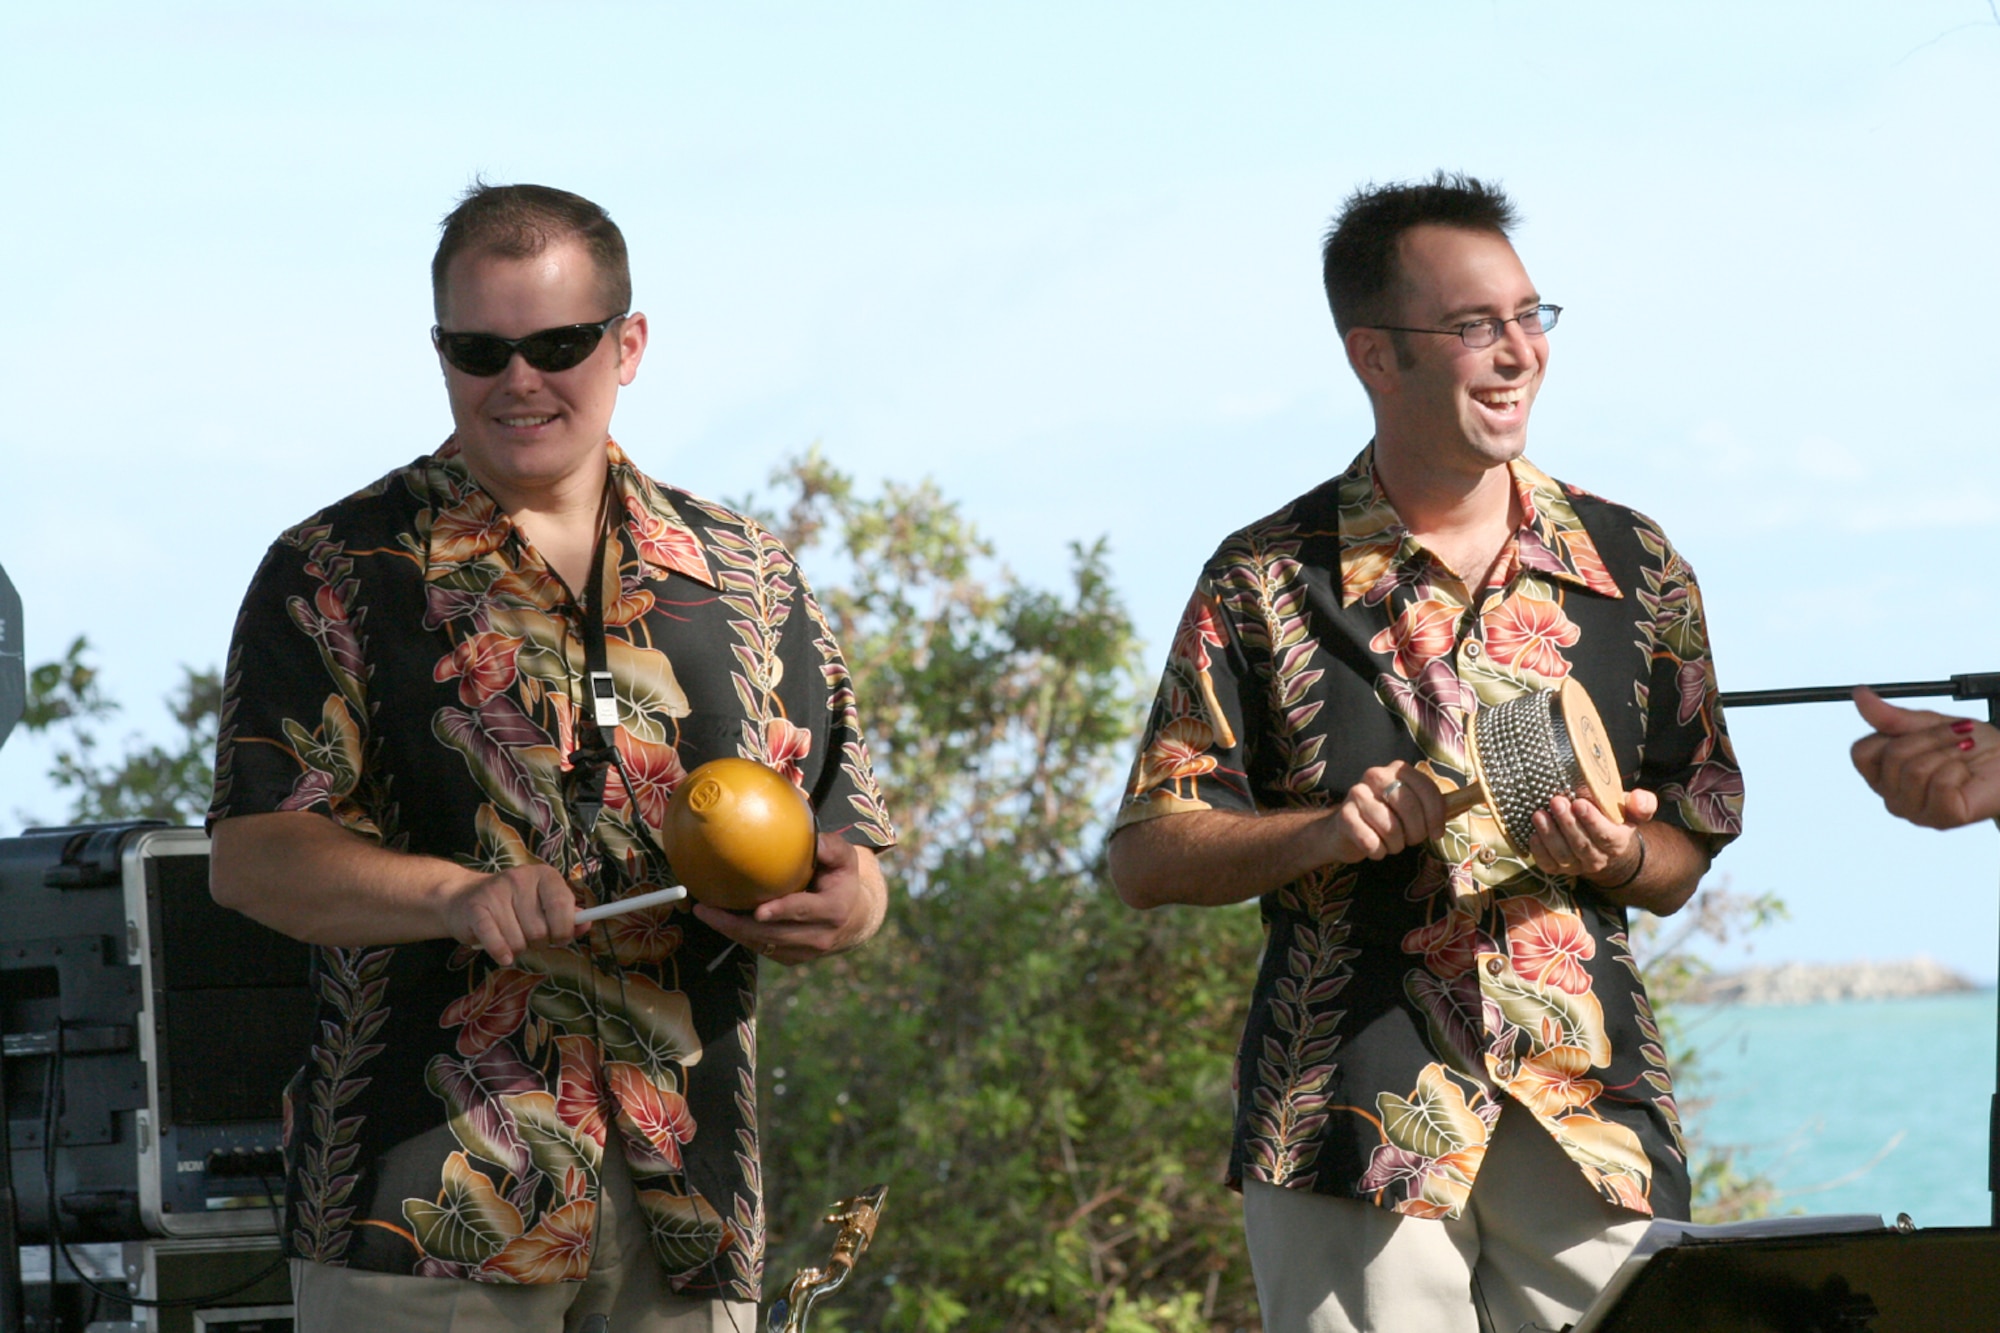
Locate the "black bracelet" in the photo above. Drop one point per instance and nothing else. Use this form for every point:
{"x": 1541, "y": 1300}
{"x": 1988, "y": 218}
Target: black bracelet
{"x": 1612, "y": 888}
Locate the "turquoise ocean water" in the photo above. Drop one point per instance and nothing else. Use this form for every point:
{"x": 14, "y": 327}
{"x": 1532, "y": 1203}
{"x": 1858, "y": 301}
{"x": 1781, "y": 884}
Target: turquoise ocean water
{"x": 1875, "y": 1106}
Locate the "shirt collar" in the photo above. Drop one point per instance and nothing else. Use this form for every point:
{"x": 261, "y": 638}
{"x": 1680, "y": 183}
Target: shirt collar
{"x": 466, "y": 524}
{"x": 1375, "y": 546}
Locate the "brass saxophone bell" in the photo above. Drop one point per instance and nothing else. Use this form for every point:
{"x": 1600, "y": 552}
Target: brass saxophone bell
{"x": 856, "y": 1218}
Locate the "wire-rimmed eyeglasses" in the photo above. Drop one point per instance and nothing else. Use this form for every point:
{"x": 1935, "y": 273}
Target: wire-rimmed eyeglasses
{"x": 1486, "y": 332}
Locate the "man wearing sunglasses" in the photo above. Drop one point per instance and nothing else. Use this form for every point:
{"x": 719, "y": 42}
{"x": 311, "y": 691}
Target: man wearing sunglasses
{"x": 457, "y": 703}
{"x": 1453, "y": 1108}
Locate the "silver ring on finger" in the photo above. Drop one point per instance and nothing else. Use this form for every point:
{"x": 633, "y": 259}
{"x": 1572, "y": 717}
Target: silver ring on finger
{"x": 1392, "y": 788}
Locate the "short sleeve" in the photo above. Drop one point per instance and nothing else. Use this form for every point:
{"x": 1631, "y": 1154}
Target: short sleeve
{"x": 1688, "y": 760}
{"x": 1195, "y": 753}
{"x": 844, "y": 793}
{"x": 294, "y": 717}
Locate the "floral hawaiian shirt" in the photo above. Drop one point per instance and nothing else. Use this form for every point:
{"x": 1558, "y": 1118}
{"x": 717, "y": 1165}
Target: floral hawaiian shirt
{"x": 1400, "y": 1002}
{"x": 406, "y": 664}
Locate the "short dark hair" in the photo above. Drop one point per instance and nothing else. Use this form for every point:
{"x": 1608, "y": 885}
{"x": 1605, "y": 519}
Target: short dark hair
{"x": 1358, "y": 255}
{"x": 521, "y": 221}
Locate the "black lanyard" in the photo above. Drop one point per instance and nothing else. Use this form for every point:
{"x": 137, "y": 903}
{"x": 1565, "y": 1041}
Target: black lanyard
{"x": 596, "y": 753}
{"x": 597, "y": 724}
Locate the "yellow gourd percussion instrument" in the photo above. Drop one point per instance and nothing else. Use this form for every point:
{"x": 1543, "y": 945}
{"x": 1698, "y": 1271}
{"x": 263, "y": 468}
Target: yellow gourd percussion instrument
{"x": 738, "y": 833}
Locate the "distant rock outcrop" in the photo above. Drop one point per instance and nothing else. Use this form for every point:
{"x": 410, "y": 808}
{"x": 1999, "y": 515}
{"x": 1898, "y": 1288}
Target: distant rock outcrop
{"x": 1816, "y": 983}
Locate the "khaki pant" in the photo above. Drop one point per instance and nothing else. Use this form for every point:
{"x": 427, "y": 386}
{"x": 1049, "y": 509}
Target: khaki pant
{"x": 1531, "y": 1252}
{"x": 625, "y": 1291}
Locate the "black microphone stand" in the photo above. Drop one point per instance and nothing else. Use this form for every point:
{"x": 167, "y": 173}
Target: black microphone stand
{"x": 1974, "y": 685}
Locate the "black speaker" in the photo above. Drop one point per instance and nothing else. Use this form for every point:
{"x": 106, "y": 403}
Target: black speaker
{"x": 153, "y": 1030}
{"x": 227, "y": 1020}
{"x": 193, "y": 1270}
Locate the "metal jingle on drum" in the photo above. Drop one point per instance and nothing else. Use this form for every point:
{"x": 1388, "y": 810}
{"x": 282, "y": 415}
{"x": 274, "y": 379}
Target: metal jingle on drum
{"x": 1527, "y": 750}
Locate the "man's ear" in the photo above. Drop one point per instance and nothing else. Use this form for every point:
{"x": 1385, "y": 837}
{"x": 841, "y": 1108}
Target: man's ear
{"x": 631, "y": 346}
{"x": 1372, "y": 354}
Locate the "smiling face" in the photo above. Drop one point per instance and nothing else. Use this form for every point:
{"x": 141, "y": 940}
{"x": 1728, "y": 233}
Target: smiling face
{"x": 1455, "y": 407}
{"x": 530, "y": 436}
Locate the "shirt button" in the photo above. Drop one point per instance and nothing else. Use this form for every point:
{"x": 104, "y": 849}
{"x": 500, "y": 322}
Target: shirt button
{"x": 1495, "y": 966}
{"x": 1487, "y": 856}
{"x": 1472, "y": 648}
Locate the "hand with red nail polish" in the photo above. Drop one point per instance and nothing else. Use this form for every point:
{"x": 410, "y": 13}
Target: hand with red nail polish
{"x": 1929, "y": 768}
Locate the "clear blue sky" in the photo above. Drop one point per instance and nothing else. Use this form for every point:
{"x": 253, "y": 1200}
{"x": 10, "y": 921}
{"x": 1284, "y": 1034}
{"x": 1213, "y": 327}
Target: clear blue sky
{"x": 1063, "y": 258}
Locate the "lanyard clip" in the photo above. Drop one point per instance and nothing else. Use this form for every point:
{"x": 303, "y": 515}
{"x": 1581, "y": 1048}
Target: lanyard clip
{"x": 583, "y": 788}
{"x": 604, "y": 701}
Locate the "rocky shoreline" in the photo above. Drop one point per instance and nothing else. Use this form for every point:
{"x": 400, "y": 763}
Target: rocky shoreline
{"x": 1818, "y": 983}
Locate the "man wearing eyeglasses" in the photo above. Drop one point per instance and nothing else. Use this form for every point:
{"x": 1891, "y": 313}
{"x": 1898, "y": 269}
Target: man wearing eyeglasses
{"x": 456, "y": 705}
{"x": 1454, "y": 1111}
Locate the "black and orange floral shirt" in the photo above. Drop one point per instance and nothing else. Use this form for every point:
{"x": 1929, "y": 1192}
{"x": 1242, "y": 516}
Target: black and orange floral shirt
{"x": 407, "y": 665}
{"x": 1401, "y": 1002}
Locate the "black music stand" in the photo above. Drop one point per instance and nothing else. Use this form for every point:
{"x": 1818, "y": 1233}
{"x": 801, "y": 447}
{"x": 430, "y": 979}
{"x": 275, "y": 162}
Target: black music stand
{"x": 1973, "y": 685}
{"x": 1937, "y": 1280}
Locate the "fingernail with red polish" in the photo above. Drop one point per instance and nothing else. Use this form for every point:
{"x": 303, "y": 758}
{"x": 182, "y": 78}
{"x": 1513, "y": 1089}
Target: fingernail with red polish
{"x": 1962, "y": 726}
{"x": 1965, "y": 744}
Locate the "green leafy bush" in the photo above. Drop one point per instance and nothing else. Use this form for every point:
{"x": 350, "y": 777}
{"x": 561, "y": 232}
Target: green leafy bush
{"x": 1040, "y": 1075}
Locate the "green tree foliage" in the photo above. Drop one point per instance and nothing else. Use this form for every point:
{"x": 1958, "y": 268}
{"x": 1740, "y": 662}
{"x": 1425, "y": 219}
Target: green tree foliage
{"x": 1040, "y": 1075}
{"x": 147, "y": 781}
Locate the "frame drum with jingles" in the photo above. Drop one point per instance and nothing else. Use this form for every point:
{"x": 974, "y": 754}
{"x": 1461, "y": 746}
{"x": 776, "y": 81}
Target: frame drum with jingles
{"x": 1532, "y": 748}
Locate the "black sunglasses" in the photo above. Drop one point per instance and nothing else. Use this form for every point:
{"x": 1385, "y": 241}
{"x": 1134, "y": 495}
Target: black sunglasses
{"x": 547, "y": 350}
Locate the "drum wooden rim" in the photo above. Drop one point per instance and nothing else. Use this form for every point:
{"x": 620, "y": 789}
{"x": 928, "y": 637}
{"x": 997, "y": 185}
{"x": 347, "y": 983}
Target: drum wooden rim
{"x": 1595, "y": 758}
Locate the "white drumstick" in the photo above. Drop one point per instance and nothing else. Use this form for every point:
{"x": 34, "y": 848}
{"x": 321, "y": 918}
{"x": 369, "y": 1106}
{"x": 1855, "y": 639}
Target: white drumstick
{"x": 623, "y": 905}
